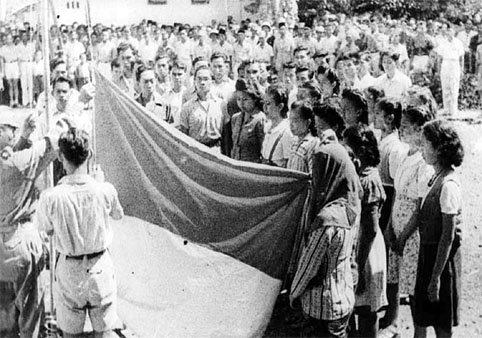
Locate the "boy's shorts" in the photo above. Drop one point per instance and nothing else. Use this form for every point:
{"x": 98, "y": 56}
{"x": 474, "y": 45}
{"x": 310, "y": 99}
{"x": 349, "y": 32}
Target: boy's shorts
{"x": 85, "y": 286}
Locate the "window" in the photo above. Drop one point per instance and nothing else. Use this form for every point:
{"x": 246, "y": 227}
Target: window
{"x": 199, "y": 2}
{"x": 156, "y": 2}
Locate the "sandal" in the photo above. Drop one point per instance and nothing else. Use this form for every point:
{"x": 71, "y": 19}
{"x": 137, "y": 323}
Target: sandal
{"x": 391, "y": 331}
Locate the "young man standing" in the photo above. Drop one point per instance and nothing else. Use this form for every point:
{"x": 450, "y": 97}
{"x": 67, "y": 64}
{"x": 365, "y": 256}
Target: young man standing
{"x": 173, "y": 97}
{"x": 77, "y": 212}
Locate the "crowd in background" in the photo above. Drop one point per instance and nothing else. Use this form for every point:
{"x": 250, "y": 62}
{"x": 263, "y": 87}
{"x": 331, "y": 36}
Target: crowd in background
{"x": 343, "y": 98}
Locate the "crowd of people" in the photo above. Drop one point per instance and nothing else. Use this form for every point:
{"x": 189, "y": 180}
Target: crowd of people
{"x": 342, "y": 98}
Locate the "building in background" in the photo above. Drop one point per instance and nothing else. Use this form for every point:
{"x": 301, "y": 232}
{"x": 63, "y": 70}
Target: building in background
{"x": 122, "y": 12}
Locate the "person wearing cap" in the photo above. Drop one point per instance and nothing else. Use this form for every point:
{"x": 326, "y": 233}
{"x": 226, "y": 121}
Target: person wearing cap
{"x": 283, "y": 47}
{"x": 21, "y": 251}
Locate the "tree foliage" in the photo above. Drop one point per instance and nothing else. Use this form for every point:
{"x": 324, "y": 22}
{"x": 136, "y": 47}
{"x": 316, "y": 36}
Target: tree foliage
{"x": 421, "y": 9}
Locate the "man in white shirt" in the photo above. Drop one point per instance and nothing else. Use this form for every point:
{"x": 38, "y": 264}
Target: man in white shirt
{"x": 262, "y": 51}
{"x": 105, "y": 52}
{"x": 222, "y": 84}
{"x": 183, "y": 48}
{"x": 26, "y": 50}
{"x": 173, "y": 97}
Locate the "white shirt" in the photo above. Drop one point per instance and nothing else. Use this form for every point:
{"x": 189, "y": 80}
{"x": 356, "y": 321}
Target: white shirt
{"x": 78, "y": 210}
{"x": 263, "y": 53}
{"x": 450, "y": 50}
{"x": 395, "y": 87}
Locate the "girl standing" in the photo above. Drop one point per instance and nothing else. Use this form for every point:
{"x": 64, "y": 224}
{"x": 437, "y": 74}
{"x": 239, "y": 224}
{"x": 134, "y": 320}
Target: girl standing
{"x": 371, "y": 256}
{"x": 248, "y": 125}
{"x": 403, "y": 240}
{"x": 439, "y": 266}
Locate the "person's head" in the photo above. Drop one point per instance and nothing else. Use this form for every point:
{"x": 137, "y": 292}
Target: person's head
{"x": 329, "y": 82}
{"x": 441, "y": 145}
{"x": 469, "y": 25}
{"x": 253, "y": 70}
{"x": 62, "y": 88}
{"x": 309, "y": 92}
{"x": 363, "y": 143}
{"x": 350, "y": 68}
{"x": 276, "y": 102}
{"x": 105, "y": 35}
{"x": 178, "y": 72}
{"x": 146, "y": 78}
{"x": 413, "y": 119}
{"x": 199, "y": 61}
{"x": 422, "y": 96}
{"x": 388, "y": 114}
{"x": 354, "y": 106}
{"x": 182, "y": 34}
{"x": 8, "y": 129}
{"x": 116, "y": 68}
{"x": 282, "y": 29}
{"x": 389, "y": 63}
{"x": 303, "y": 75}
{"x": 241, "y": 35}
{"x": 125, "y": 52}
{"x": 162, "y": 65}
{"x": 59, "y": 68}
{"x": 328, "y": 115}
{"x": 249, "y": 96}
{"x": 364, "y": 66}
{"x": 302, "y": 120}
{"x": 74, "y": 148}
{"x": 203, "y": 79}
{"x": 289, "y": 74}
{"x": 373, "y": 94}
{"x": 302, "y": 56}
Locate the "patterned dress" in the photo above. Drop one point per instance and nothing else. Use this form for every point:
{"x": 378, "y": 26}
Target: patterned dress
{"x": 411, "y": 184}
{"x": 375, "y": 271}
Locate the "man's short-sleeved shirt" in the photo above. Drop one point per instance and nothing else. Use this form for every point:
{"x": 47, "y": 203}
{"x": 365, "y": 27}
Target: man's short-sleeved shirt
{"x": 203, "y": 120}
{"x": 78, "y": 211}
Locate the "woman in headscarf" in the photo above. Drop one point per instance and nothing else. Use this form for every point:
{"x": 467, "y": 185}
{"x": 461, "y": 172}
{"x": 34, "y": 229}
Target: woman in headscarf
{"x": 324, "y": 279}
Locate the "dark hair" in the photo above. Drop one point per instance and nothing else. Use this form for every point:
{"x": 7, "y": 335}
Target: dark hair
{"x": 253, "y": 88}
{"x": 202, "y": 68}
{"x": 417, "y": 115}
{"x": 301, "y": 49}
{"x": 280, "y": 96}
{"x": 392, "y": 55}
{"x": 391, "y": 106}
{"x": 123, "y": 46}
{"x": 179, "y": 65}
{"x": 330, "y": 112}
{"x": 198, "y": 59}
{"x": 422, "y": 96}
{"x": 375, "y": 92}
{"x": 141, "y": 69}
{"x": 306, "y": 113}
{"x": 446, "y": 141}
{"x": 115, "y": 64}
{"x": 305, "y": 69}
{"x": 289, "y": 65}
{"x": 363, "y": 142}
{"x": 160, "y": 56}
{"x": 60, "y": 79}
{"x": 333, "y": 78}
{"x": 359, "y": 102}
{"x": 74, "y": 146}
{"x": 218, "y": 55}
{"x": 56, "y": 62}
{"x": 313, "y": 89}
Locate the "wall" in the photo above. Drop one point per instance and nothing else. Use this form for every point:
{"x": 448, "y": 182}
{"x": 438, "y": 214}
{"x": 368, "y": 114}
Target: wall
{"x": 122, "y": 12}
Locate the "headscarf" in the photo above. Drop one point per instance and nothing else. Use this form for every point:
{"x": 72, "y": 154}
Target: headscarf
{"x": 336, "y": 188}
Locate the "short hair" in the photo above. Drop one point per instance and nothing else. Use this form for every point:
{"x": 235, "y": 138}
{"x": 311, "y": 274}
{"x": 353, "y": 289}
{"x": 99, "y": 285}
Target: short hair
{"x": 301, "y": 49}
{"x": 392, "y": 55}
{"x": 305, "y": 69}
{"x": 375, "y": 92}
{"x": 362, "y": 141}
{"x": 219, "y": 55}
{"x": 281, "y": 24}
{"x": 56, "y": 62}
{"x": 64, "y": 79}
{"x": 330, "y": 111}
{"x": 179, "y": 65}
{"x": 198, "y": 59}
{"x": 313, "y": 89}
{"x": 446, "y": 141}
{"x": 161, "y": 56}
{"x": 289, "y": 65}
{"x": 306, "y": 113}
{"x": 253, "y": 88}
{"x": 391, "y": 106}
{"x": 333, "y": 78}
{"x": 123, "y": 46}
{"x": 422, "y": 96}
{"x": 280, "y": 96}
{"x": 359, "y": 102}
{"x": 417, "y": 115}
{"x": 74, "y": 145}
{"x": 141, "y": 69}
{"x": 203, "y": 67}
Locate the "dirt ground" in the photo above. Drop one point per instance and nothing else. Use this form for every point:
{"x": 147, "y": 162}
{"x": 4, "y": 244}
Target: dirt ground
{"x": 470, "y": 129}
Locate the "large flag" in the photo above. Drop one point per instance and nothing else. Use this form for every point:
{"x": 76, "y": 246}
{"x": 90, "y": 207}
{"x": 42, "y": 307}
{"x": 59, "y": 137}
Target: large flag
{"x": 207, "y": 243}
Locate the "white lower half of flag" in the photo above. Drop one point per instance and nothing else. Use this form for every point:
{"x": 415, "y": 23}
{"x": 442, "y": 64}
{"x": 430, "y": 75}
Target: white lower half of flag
{"x": 170, "y": 287}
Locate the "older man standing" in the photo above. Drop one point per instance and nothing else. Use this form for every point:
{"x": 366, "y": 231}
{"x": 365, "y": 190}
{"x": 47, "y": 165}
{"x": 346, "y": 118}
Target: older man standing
{"x": 21, "y": 291}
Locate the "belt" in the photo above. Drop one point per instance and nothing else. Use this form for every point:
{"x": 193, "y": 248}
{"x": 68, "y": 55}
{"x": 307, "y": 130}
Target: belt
{"x": 88, "y": 256}
{"x": 212, "y": 143}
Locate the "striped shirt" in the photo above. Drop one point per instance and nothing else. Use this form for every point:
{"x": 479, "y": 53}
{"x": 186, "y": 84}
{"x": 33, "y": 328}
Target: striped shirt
{"x": 324, "y": 279}
{"x": 301, "y": 156}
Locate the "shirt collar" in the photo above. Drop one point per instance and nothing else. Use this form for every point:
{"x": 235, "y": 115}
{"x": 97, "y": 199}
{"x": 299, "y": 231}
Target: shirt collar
{"x": 76, "y": 179}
